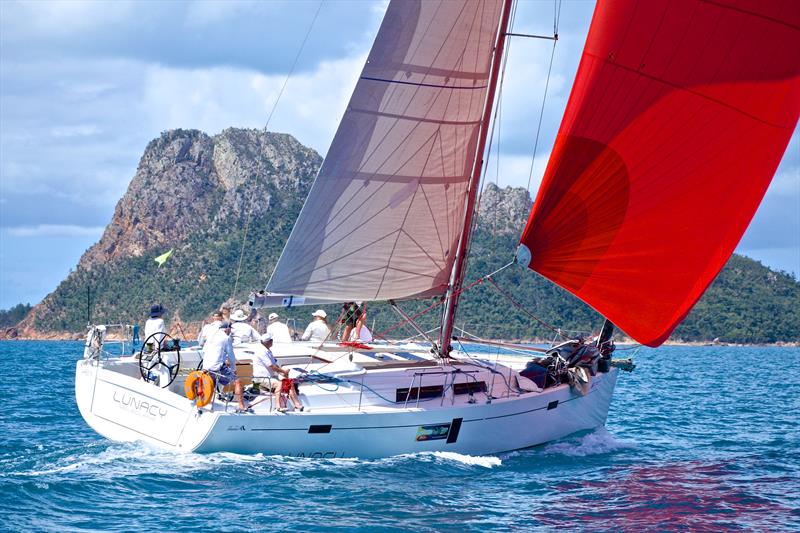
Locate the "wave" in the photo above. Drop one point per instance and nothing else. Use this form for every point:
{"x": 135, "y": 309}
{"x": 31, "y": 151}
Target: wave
{"x": 486, "y": 461}
{"x": 597, "y": 442}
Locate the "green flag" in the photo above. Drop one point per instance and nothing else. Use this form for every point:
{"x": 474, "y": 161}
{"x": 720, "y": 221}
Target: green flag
{"x": 162, "y": 258}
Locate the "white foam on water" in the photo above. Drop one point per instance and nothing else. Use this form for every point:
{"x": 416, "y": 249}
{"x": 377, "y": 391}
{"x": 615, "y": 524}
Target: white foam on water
{"x": 123, "y": 460}
{"x": 486, "y": 461}
{"x": 387, "y": 462}
{"x": 598, "y": 442}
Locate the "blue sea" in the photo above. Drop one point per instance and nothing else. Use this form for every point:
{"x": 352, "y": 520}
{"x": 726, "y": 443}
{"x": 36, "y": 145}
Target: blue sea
{"x": 698, "y": 438}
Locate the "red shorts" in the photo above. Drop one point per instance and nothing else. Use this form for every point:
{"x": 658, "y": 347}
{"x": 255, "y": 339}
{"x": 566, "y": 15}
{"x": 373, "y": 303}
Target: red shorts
{"x": 286, "y": 385}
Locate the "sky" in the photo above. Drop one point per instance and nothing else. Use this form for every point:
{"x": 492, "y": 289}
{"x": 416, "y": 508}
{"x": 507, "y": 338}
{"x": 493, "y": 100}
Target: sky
{"x": 85, "y": 85}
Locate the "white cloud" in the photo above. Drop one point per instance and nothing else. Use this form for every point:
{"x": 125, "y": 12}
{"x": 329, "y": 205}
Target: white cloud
{"x": 78, "y": 130}
{"x": 515, "y": 171}
{"x": 65, "y": 17}
{"x": 55, "y": 230}
{"x": 211, "y": 12}
{"x": 217, "y": 98}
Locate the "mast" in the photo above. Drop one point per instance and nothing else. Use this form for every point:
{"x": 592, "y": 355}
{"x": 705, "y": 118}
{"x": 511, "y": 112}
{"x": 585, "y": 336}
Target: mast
{"x": 459, "y": 266}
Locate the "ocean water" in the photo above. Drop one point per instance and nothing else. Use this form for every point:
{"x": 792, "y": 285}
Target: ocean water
{"x": 700, "y": 439}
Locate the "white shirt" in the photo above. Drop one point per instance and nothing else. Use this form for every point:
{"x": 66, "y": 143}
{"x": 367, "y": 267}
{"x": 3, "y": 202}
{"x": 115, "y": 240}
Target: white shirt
{"x": 207, "y": 332}
{"x": 364, "y": 335}
{"x": 279, "y": 332}
{"x": 154, "y": 325}
{"x": 217, "y": 350}
{"x": 262, "y": 359}
{"x": 316, "y": 331}
{"x": 243, "y": 332}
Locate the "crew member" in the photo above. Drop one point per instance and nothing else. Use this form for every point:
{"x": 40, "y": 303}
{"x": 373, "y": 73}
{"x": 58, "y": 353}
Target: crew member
{"x": 266, "y": 366}
{"x": 351, "y": 312}
{"x": 210, "y": 328}
{"x": 317, "y": 330}
{"x": 361, "y": 332}
{"x": 278, "y": 330}
{"x": 241, "y": 330}
{"x": 155, "y": 324}
{"x": 219, "y": 360}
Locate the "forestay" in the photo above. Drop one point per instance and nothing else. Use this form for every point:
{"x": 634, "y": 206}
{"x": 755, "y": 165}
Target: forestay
{"x": 679, "y": 116}
{"x": 382, "y": 220}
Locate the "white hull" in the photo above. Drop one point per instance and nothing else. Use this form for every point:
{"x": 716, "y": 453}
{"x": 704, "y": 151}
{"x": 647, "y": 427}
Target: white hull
{"x": 123, "y": 408}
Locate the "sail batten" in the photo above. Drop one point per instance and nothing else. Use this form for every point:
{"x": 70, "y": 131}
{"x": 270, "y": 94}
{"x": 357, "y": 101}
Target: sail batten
{"x": 381, "y": 220}
{"x": 678, "y": 118}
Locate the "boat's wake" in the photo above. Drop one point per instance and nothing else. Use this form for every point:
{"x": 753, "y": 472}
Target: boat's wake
{"x": 597, "y": 442}
{"x": 124, "y": 460}
{"x": 114, "y": 461}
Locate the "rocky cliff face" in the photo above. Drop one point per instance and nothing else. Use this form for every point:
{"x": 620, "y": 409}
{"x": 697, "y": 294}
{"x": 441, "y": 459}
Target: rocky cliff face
{"x": 189, "y": 182}
{"x": 504, "y": 211}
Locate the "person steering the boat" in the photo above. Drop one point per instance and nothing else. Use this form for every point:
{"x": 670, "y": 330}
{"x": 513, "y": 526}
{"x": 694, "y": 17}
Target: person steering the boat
{"x": 155, "y": 324}
{"x": 241, "y": 330}
{"x": 219, "y": 360}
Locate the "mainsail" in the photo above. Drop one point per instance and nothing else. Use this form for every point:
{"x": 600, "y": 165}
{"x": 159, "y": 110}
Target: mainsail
{"x": 679, "y": 116}
{"x": 383, "y": 218}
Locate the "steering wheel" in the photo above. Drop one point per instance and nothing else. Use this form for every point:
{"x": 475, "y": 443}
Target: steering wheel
{"x": 150, "y": 360}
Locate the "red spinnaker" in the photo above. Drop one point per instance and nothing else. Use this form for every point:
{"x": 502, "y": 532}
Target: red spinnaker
{"x": 679, "y": 116}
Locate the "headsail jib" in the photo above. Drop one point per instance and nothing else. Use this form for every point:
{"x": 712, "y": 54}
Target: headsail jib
{"x": 382, "y": 220}
{"x": 672, "y": 134}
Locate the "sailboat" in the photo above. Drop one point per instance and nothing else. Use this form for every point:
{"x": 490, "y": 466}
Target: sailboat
{"x": 678, "y": 117}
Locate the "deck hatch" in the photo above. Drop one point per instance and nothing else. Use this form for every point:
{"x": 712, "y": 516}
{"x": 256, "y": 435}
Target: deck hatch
{"x": 432, "y": 391}
{"x": 470, "y": 387}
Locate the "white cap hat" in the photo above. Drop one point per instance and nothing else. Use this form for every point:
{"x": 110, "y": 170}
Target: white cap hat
{"x": 266, "y": 337}
{"x": 320, "y": 313}
{"x": 238, "y": 316}
{"x": 273, "y": 316}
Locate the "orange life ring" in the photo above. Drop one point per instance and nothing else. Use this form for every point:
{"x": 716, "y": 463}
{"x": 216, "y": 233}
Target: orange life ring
{"x": 199, "y": 387}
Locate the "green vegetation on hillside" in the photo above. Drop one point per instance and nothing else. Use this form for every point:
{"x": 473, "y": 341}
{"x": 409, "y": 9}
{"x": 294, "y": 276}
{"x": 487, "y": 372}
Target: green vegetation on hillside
{"x": 10, "y": 317}
{"x": 746, "y": 303}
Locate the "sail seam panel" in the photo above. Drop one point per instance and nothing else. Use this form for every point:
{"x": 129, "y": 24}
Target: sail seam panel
{"x": 434, "y": 72}
{"x": 394, "y": 246}
{"x": 383, "y": 163}
{"x": 695, "y": 92}
{"x": 383, "y": 114}
{"x": 405, "y": 217}
{"x": 767, "y": 18}
{"x": 422, "y": 249}
{"x": 355, "y": 210}
{"x": 420, "y": 84}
